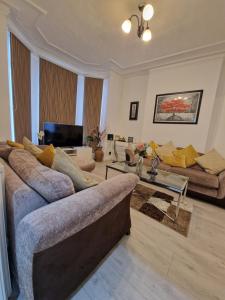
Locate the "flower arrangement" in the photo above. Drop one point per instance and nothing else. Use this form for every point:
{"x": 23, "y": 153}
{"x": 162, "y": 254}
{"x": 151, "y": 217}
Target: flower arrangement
{"x": 153, "y": 146}
{"x": 96, "y": 138}
{"x": 141, "y": 149}
{"x": 40, "y": 136}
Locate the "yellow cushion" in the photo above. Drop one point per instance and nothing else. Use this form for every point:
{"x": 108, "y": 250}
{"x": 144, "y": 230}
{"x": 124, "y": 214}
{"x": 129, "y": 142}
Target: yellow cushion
{"x": 175, "y": 161}
{"x": 153, "y": 145}
{"x": 47, "y": 156}
{"x": 212, "y": 162}
{"x": 190, "y": 155}
{"x": 29, "y": 146}
{"x": 165, "y": 150}
{"x": 15, "y": 145}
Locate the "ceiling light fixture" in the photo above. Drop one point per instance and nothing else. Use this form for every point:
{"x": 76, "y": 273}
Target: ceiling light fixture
{"x": 143, "y": 31}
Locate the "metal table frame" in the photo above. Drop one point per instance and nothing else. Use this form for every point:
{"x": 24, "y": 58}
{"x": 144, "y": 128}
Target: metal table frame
{"x": 181, "y": 193}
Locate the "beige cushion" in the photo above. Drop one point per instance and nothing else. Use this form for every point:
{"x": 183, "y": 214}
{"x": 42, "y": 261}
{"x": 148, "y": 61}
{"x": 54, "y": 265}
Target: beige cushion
{"x": 66, "y": 165}
{"x": 50, "y": 184}
{"x": 165, "y": 150}
{"x": 212, "y": 162}
{"x": 29, "y": 146}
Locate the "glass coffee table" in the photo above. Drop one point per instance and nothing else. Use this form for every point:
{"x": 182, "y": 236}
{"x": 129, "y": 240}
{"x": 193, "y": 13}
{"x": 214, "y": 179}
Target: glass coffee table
{"x": 164, "y": 179}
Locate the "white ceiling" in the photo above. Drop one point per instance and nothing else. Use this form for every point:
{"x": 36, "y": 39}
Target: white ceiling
{"x": 89, "y": 31}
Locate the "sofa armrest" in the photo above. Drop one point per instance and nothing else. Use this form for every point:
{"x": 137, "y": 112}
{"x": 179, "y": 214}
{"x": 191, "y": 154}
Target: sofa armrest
{"x": 221, "y": 190}
{"x": 221, "y": 176}
{"x": 57, "y": 221}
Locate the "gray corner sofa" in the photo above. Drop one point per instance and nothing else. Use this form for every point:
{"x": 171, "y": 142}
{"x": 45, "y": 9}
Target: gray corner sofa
{"x": 54, "y": 246}
{"x": 201, "y": 184}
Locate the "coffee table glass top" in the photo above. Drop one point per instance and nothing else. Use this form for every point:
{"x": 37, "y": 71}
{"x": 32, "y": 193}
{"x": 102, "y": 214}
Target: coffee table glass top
{"x": 165, "y": 179}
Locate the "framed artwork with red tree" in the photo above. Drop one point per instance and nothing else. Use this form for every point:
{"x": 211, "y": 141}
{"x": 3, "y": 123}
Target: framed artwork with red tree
{"x": 178, "y": 108}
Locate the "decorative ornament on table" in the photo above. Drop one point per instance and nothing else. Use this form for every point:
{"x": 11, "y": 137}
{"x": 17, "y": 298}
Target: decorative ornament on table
{"x": 155, "y": 160}
{"x": 131, "y": 158}
{"x": 141, "y": 151}
{"x": 41, "y": 135}
{"x": 95, "y": 140}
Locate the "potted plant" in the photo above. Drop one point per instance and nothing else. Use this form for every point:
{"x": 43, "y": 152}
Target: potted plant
{"x": 95, "y": 140}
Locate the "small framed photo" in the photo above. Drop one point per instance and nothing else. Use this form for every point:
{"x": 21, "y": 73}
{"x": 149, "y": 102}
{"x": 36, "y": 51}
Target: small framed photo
{"x": 130, "y": 139}
{"x": 134, "y": 110}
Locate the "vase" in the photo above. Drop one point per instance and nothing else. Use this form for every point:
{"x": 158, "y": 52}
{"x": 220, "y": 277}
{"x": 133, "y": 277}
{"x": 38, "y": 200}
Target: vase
{"x": 99, "y": 154}
{"x": 139, "y": 166}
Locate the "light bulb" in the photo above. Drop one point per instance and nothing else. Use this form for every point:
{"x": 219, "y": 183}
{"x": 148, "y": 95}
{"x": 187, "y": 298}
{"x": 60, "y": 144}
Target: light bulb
{"x": 148, "y": 12}
{"x": 126, "y": 26}
{"x": 147, "y": 35}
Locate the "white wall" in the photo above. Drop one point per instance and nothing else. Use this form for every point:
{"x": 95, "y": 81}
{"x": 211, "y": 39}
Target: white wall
{"x": 5, "y": 113}
{"x": 115, "y": 85}
{"x": 200, "y": 74}
{"x": 134, "y": 89}
{"x": 206, "y": 73}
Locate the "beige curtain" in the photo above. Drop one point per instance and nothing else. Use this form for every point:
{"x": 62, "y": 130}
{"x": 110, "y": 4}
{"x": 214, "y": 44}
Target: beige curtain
{"x": 92, "y": 104}
{"x": 20, "y": 63}
{"x": 58, "y": 89}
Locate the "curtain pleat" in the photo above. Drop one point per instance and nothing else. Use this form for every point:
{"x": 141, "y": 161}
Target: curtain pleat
{"x": 21, "y": 82}
{"x": 58, "y": 89}
{"x": 92, "y": 104}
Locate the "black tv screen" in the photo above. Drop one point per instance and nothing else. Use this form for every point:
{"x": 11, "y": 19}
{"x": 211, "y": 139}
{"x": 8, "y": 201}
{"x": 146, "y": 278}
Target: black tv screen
{"x": 61, "y": 135}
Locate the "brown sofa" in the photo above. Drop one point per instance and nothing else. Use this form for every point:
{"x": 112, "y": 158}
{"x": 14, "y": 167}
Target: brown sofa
{"x": 201, "y": 183}
{"x": 54, "y": 246}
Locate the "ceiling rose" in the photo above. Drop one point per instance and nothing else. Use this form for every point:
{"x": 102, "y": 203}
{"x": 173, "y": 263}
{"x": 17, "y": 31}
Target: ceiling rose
{"x": 143, "y": 31}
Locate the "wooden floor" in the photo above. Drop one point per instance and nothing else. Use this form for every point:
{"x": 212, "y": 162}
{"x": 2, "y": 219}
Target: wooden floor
{"x": 156, "y": 263}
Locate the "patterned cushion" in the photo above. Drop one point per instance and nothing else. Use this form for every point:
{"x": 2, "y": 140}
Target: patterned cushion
{"x": 50, "y": 184}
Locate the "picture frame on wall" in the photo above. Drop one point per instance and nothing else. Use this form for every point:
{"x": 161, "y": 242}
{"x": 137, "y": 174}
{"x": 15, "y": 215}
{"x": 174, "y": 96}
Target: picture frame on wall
{"x": 134, "y": 106}
{"x": 178, "y": 108}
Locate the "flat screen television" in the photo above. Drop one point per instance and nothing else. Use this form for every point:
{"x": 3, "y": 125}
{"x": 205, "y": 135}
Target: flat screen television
{"x": 61, "y": 135}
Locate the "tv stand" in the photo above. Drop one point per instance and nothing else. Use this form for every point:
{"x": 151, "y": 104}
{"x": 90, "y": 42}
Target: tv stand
{"x": 70, "y": 151}
{"x": 83, "y": 152}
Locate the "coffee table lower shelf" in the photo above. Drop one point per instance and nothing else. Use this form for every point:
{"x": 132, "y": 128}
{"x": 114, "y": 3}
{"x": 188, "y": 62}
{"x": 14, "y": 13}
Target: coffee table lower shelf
{"x": 182, "y": 191}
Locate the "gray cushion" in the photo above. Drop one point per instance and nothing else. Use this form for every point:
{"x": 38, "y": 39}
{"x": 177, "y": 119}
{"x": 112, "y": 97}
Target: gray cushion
{"x": 65, "y": 164}
{"x": 50, "y": 184}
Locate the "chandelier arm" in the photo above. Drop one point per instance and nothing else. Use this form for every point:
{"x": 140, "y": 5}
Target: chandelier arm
{"x": 136, "y": 16}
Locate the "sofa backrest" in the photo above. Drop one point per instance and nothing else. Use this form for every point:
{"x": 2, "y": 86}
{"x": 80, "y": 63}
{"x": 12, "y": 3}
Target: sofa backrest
{"x": 20, "y": 201}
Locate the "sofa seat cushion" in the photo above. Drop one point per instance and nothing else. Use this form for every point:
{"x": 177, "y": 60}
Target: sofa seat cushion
{"x": 164, "y": 167}
{"x": 198, "y": 177}
{"x": 50, "y": 184}
{"x": 202, "y": 190}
